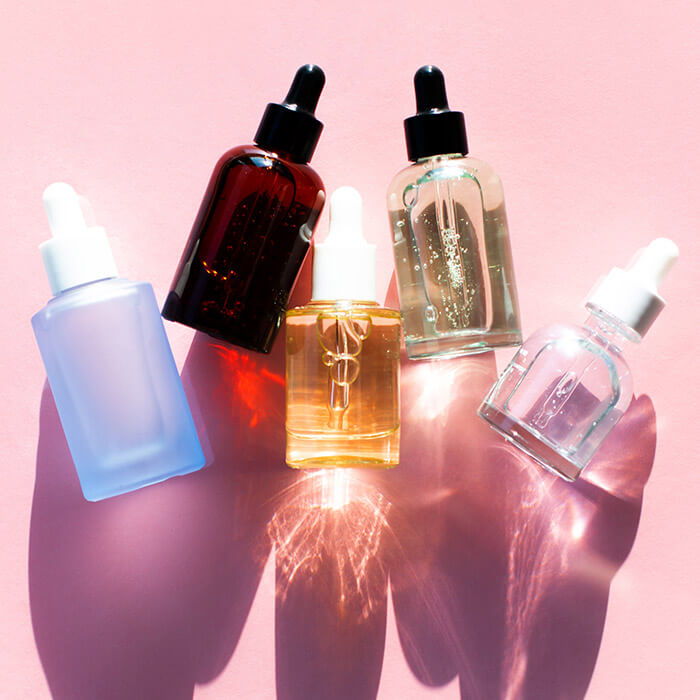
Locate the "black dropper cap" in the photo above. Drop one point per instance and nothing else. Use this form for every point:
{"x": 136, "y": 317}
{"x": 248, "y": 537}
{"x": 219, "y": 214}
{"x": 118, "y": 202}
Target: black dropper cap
{"x": 434, "y": 130}
{"x": 291, "y": 127}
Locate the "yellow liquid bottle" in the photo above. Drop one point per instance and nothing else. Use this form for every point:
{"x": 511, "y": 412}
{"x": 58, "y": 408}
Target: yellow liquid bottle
{"x": 343, "y": 356}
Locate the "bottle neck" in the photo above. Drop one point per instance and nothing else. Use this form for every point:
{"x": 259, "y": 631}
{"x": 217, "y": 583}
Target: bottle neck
{"x": 610, "y": 331}
{"x": 441, "y": 156}
{"x": 277, "y": 153}
{"x": 343, "y": 303}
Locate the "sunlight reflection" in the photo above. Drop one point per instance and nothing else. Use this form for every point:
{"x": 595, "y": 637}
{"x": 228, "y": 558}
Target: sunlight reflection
{"x": 578, "y": 528}
{"x": 532, "y": 557}
{"x": 623, "y": 465}
{"x": 435, "y": 387}
{"x": 331, "y": 525}
{"x": 546, "y": 524}
{"x": 438, "y": 383}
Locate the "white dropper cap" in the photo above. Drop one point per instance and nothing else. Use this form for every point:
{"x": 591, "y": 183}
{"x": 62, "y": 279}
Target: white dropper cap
{"x": 632, "y": 295}
{"x": 76, "y": 254}
{"x": 345, "y": 264}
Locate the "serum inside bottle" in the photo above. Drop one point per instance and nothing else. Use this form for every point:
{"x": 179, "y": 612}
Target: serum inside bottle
{"x": 454, "y": 268}
{"x": 254, "y": 226}
{"x": 343, "y": 356}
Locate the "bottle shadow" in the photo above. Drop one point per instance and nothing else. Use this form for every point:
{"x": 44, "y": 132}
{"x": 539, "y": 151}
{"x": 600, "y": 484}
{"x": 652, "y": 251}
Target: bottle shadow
{"x": 499, "y": 574}
{"x": 146, "y": 594}
{"x": 506, "y": 579}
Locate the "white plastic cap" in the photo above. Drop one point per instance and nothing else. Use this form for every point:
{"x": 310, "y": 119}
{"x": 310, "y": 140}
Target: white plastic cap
{"x": 632, "y": 295}
{"x": 76, "y": 254}
{"x": 345, "y": 264}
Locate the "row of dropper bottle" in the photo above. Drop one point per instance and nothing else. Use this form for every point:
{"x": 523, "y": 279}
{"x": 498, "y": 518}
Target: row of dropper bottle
{"x": 122, "y": 405}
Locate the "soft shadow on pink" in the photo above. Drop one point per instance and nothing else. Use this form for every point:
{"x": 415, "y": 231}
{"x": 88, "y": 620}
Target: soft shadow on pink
{"x": 146, "y": 594}
{"x": 499, "y": 573}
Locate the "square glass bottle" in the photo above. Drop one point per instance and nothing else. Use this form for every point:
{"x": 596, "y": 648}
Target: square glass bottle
{"x": 112, "y": 374}
{"x": 568, "y": 386}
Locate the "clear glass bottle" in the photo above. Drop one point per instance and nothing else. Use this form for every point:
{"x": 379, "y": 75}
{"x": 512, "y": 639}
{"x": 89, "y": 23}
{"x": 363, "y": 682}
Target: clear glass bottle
{"x": 453, "y": 261}
{"x": 343, "y": 356}
{"x": 568, "y": 386}
{"x": 117, "y": 390}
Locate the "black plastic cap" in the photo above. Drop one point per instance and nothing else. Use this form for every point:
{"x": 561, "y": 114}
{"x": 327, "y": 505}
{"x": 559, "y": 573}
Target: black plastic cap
{"x": 291, "y": 127}
{"x": 434, "y": 130}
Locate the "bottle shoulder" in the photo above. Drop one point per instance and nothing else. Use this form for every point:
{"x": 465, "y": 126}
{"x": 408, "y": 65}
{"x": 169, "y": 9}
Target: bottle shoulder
{"x": 94, "y": 293}
{"x": 571, "y": 340}
{"x": 252, "y": 156}
{"x": 444, "y": 168}
{"x": 314, "y": 308}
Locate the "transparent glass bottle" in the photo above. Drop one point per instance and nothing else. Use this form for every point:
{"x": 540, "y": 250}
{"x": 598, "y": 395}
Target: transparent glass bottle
{"x": 563, "y": 392}
{"x": 342, "y": 385}
{"x": 343, "y": 356}
{"x": 112, "y": 374}
{"x": 568, "y": 386}
{"x": 454, "y": 267}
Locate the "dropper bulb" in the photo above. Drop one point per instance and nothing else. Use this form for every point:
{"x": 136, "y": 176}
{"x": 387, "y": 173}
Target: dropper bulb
{"x": 290, "y": 128}
{"x": 63, "y": 210}
{"x": 346, "y": 216}
{"x": 75, "y": 254}
{"x": 654, "y": 262}
{"x": 435, "y": 129}
{"x": 306, "y": 88}
{"x": 431, "y": 94}
{"x": 344, "y": 265}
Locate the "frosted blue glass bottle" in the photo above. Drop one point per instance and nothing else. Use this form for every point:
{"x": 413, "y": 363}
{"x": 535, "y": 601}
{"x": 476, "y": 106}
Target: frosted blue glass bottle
{"x": 109, "y": 364}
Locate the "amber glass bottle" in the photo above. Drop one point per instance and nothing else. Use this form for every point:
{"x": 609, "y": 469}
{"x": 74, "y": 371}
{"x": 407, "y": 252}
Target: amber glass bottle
{"x": 343, "y": 356}
{"x": 254, "y": 226}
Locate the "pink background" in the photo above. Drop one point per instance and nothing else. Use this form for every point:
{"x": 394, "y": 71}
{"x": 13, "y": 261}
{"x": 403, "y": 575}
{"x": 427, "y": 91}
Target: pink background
{"x": 590, "y": 112}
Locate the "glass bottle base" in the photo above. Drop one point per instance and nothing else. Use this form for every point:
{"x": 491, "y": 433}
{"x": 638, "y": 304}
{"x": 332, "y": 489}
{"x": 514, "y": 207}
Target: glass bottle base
{"x": 95, "y": 494}
{"x": 262, "y": 345}
{"x": 460, "y": 343}
{"x": 327, "y": 452}
{"x": 529, "y": 442}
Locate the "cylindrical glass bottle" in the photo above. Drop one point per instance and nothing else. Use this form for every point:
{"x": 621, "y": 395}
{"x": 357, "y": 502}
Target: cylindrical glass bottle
{"x": 343, "y": 355}
{"x": 247, "y": 245}
{"x": 343, "y": 385}
{"x": 454, "y": 267}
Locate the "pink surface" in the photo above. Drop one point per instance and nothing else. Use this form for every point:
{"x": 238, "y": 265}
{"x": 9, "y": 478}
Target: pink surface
{"x": 225, "y": 583}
